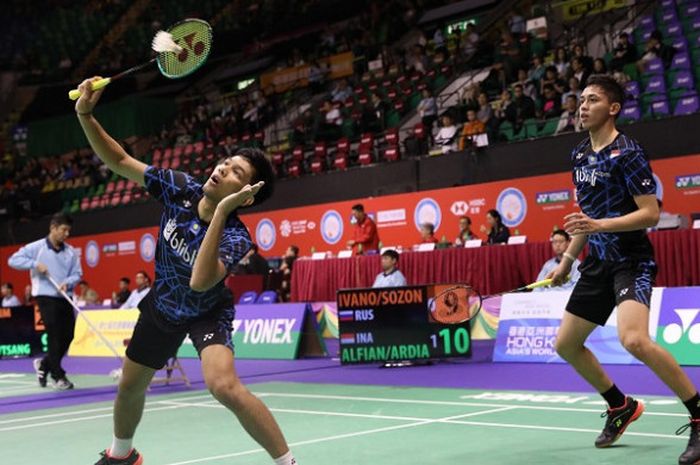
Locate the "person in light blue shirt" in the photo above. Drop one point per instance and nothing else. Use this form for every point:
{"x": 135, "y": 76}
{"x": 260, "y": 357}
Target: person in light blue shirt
{"x": 9, "y": 299}
{"x": 560, "y": 242}
{"x": 390, "y": 276}
{"x": 51, "y": 256}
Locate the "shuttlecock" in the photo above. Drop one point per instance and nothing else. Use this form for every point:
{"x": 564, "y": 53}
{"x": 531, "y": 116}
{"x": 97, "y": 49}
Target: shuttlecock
{"x": 163, "y": 42}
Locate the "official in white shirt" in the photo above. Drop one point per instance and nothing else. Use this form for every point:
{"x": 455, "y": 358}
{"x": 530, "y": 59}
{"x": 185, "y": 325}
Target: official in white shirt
{"x": 143, "y": 286}
{"x": 390, "y": 276}
{"x": 560, "y": 242}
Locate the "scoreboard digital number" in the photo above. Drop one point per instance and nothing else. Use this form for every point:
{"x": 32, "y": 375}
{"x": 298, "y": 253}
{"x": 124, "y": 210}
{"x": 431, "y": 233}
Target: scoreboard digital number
{"x": 392, "y": 325}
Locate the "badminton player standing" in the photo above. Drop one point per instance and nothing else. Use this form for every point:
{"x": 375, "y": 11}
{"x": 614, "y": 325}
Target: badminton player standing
{"x": 616, "y": 193}
{"x": 201, "y": 238}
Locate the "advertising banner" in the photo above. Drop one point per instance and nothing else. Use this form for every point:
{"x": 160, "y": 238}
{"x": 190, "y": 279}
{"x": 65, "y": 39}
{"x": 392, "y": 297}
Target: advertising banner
{"x": 531, "y": 206}
{"x": 271, "y": 331}
{"x": 529, "y": 324}
{"x": 282, "y": 80}
{"x": 115, "y": 325}
{"x": 679, "y": 324}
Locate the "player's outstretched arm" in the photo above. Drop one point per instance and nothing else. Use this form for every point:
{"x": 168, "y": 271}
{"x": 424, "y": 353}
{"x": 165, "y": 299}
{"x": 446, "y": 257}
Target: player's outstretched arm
{"x": 102, "y": 143}
{"x": 561, "y": 273}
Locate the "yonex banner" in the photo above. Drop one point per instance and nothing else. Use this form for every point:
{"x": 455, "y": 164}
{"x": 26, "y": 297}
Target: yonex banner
{"x": 529, "y": 324}
{"x": 679, "y": 324}
{"x": 271, "y": 331}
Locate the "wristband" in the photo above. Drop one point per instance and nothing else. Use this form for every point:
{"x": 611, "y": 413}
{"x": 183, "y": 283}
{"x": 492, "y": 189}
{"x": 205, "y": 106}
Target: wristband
{"x": 569, "y": 256}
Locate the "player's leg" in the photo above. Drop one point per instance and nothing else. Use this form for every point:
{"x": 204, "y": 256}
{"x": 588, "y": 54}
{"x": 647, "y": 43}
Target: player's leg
{"x": 148, "y": 351}
{"x": 65, "y": 321}
{"x": 224, "y": 384}
{"x": 572, "y": 335}
{"x": 634, "y": 293}
{"x": 49, "y": 364}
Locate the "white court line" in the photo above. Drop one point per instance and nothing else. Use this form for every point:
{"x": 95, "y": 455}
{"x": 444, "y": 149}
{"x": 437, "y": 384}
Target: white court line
{"x": 342, "y": 414}
{"x": 14, "y": 381}
{"x": 452, "y": 403}
{"x": 335, "y": 437}
{"x": 93, "y": 410}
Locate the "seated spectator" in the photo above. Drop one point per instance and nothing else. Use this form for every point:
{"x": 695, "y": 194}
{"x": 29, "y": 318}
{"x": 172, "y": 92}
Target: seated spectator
{"x": 469, "y": 41}
{"x": 574, "y": 89}
{"x": 252, "y": 263}
{"x": 568, "y": 121}
{"x": 9, "y": 299}
{"x": 373, "y": 115}
{"x": 427, "y": 234}
{"x": 502, "y": 105}
{"x": 341, "y": 91}
{"x": 365, "y": 237}
{"x": 561, "y": 63}
{"x": 83, "y": 292}
{"x": 579, "y": 71}
{"x": 523, "y": 108}
{"x": 446, "y": 138}
{"x": 560, "y": 242}
{"x": 290, "y": 256}
{"x": 656, "y": 49}
{"x": 465, "y": 231}
{"x": 317, "y": 77}
{"x": 536, "y": 71}
{"x": 623, "y": 53}
{"x": 332, "y": 120}
{"x": 586, "y": 61}
{"x": 497, "y": 232}
{"x": 551, "y": 103}
{"x": 529, "y": 87}
{"x": 143, "y": 286}
{"x": 599, "y": 66}
{"x": 427, "y": 109}
{"x": 485, "y": 111}
{"x": 471, "y": 128}
{"x": 551, "y": 78}
{"x": 390, "y": 275}
{"x": 120, "y": 296}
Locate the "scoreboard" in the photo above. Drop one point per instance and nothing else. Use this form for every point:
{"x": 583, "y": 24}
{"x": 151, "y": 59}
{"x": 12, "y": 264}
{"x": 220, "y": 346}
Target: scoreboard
{"x": 393, "y": 324}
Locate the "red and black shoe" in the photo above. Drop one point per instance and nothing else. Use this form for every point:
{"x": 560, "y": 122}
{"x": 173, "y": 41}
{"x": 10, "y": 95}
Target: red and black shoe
{"x": 134, "y": 458}
{"x": 618, "y": 421}
{"x": 691, "y": 456}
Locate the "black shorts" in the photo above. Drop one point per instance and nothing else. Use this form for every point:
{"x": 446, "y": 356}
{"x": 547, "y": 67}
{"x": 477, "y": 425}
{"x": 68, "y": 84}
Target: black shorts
{"x": 605, "y": 284}
{"x": 155, "y": 340}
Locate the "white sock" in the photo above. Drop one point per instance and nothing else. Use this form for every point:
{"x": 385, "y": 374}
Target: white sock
{"x": 286, "y": 459}
{"x": 120, "y": 447}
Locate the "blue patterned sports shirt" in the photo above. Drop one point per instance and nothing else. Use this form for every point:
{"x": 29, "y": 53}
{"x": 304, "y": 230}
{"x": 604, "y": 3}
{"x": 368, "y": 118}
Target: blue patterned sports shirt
{"x": 606, "y": 183}
{"x": 181, "y": 234}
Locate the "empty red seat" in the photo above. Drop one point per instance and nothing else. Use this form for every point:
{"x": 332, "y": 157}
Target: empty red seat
{"x": 316, "y": 166}
{"x": 341, "y": 161}
{"x": 365, "y": 157}
{"x": 391, "y": 154}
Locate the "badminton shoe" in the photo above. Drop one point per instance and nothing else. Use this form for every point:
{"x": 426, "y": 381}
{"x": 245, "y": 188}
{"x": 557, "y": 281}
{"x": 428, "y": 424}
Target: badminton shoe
{"x": 41, "y": 373}
{"x": 63, "y": 384}
{"x": 691, "y": 456}
{"x": 618, "y": 420}
{"x": 134, "y": 458}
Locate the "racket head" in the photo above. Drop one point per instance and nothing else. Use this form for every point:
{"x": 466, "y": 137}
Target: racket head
{"x": 455, "y": 304}
{"x": 195, "y": 36}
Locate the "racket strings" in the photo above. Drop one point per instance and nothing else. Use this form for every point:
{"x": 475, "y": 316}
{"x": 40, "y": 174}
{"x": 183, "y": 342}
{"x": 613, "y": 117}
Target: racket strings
{"x": 195, "y": 39}
{"x": 456, "y": 304}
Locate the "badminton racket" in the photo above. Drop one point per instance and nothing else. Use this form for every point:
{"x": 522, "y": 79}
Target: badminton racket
{"x": 181, "y": 50}
{"x": 117, "y": 372}
{"x": 460, "y": 303}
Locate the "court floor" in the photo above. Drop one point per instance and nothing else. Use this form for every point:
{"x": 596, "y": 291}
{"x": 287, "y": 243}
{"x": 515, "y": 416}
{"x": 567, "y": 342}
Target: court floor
{"x": 21, "y": 384}
{"x": 349, "y": 424}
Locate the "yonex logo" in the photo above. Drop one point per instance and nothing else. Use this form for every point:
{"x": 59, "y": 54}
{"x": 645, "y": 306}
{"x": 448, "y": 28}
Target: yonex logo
{"x": 207, "y": 337}
{"x": 579, "y": 156}
{"x": 646, "y": 182}
{"x": 624, "y": 292}
{"x": 674, "y": 332}
{"x": 187, "y": 204}
{"x": 688, "y": 181}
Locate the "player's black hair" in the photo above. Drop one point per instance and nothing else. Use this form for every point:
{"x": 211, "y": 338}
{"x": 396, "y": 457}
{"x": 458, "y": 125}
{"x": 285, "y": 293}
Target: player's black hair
{"x": 8, "y": 285}
{"x": 126, "y": 280}
{"x": 429, "y": 226}
{"x": 359, "y": 207}
{"x": 611, "y": 88}
{"x": 496, "y": 216}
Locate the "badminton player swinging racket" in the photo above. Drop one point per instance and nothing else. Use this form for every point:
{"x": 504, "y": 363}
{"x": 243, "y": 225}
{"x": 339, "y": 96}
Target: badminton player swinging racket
{"x": 201, "y": 238}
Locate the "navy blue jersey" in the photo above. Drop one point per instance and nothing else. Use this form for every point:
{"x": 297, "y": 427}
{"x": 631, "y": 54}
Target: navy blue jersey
{"x": 181, "y": 234}
{"x": 606, "y": 183}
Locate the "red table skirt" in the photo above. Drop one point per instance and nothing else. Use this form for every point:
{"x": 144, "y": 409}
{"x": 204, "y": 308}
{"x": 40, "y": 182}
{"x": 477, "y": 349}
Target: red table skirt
{"x": 489, "y": 269}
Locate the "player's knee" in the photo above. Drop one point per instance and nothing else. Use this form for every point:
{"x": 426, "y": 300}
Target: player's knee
{"x": 130, "y": 387}
{"x": 636, "y": 343}
{"x": 228, "y": 391}
{"x": 565, "y": 349}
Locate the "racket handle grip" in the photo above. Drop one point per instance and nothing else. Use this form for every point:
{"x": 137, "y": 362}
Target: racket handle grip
{"x": 544, "y": 283}
{"x": 96, "y": 85}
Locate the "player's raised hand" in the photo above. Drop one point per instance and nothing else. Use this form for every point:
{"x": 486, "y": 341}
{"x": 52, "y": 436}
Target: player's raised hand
{"x": 243, "y": 198}
{"x": 88, "y": 97}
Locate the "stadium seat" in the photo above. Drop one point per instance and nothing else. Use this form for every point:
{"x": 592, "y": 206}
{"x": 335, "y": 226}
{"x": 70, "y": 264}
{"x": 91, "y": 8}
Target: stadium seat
{"x": 343, "y": 145}
{"x": 656, "y": 85}
{"x": 392, "y": 153}
{"x": 687, "y": 104}
{"x": 367, "y": 142}
{"x": 110, "y": 187}
{"x": 317, "y": 165}
{"x": 320, "y": 151}
{"x": 659, "y": 108}
{"x": 681, "y": 60}
{"x": 654, "y": 66}
{"x": 115, "y": 200}
{"x": 682, "y": 80}
{"x": 95, "y": 203}
{"x": 392, "y": 137}
{"x": 189, "y": 149}
{"x": 632, "y": 89}
{"x": 126, "y": 198}
{"x": 267, "y": 297}
{"x": 631, "y": 112}
{"x": 365, "y": 157}
{"x": 277, "y": 159}
{"x": 248, "y": 297}
{"x": 84, "y": 204}
{"x": 647, "y": 22}
{"x": 341, "y": 161}
{"x": 294, "y": 169}
{"x": 298, "y": 153}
